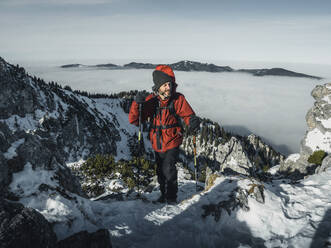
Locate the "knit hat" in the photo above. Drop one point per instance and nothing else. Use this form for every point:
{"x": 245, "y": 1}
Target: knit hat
{"x": 161, "y": 75}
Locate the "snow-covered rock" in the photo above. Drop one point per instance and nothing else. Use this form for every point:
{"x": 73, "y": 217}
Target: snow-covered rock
{"x": 318, "y": 135}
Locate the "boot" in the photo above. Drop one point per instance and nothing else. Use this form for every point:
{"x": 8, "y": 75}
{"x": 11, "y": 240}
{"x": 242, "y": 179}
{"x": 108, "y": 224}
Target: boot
{"x": 161, "y": 199}
{"x": 172, "y": 201}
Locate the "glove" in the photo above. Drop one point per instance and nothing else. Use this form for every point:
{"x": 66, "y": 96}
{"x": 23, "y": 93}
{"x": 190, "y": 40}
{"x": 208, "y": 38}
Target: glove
{"x": 194, "y": 124}
{"x": 139, "y": 98}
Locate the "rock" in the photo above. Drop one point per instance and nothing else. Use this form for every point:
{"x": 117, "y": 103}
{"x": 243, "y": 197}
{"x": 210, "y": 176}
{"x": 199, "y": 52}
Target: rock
{"x": 317, "y": 137}
{"x": 24, "y": 227}
{"x": 237, "y": 199}
{"x": 326, "y": 163}
{"x": 83, "y": 239}
{"x": 257, "y": 191}
{"x": 319, "y": 92}
{"x": 4, "y": 176}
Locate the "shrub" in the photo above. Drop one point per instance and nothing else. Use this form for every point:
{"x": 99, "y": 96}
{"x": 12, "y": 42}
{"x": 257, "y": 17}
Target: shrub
{"x": 317, "y": 157}
{"x": 96, "y": 170}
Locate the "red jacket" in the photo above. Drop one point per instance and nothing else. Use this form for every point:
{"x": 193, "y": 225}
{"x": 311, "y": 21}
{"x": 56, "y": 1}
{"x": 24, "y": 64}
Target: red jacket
{"x": 168, "y": 137}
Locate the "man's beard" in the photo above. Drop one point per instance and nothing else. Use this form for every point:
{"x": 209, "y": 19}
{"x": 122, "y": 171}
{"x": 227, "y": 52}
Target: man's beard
{"x": 166, "y": 94}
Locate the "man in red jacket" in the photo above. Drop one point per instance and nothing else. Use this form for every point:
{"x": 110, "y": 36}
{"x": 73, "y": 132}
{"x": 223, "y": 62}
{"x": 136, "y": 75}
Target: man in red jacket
{"x": 165, "y": 107}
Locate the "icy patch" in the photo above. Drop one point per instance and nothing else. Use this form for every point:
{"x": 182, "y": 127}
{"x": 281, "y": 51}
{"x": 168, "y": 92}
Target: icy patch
{"x": 11, "y": 152}
{"x": 316, "y": 140}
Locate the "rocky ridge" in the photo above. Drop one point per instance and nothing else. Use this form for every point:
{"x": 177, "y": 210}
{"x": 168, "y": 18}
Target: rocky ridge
{"x": 318, "y": 135}
{"x": 186, "y": 65}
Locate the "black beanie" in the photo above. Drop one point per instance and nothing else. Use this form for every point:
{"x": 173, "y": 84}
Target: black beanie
{"x": 161, "y": 75}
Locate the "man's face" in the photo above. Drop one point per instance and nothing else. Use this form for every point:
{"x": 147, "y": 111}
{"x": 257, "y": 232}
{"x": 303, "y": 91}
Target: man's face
{"x": 165, "y": 90}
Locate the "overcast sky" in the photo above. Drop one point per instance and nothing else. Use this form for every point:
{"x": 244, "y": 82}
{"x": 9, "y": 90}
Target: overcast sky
{"x": 254, "y": 30}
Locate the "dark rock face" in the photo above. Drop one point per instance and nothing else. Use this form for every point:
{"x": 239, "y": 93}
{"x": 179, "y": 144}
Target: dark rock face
{"x": 24, "y": 227}
{"x": 83, "y": 239}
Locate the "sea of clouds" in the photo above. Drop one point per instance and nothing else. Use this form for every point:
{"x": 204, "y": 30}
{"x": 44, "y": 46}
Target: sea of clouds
{"x": 271, "y": 107}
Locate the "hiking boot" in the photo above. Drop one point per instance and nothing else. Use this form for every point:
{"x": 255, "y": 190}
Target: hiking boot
{"x": 161, "y": 199}
{"x": 172, "y": 201}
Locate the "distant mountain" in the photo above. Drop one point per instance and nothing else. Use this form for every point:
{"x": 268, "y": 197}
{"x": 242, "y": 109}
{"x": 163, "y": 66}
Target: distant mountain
{"x": 106, "y": 65}
{"x": 140, "y": 65}
{"x": 197, "y": 66}
{"x": 71, "y": 66}
{"x": 109, "y": 65}
{"x": 276, "y": 72}
{"x": 186, "y": 65}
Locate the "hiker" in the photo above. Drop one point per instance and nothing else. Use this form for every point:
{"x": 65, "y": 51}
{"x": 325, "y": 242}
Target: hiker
{"x": 165, "y": 108}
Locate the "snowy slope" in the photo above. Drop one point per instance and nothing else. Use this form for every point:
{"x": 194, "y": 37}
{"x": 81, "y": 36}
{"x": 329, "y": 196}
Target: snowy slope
{"x": 291, "y": 216}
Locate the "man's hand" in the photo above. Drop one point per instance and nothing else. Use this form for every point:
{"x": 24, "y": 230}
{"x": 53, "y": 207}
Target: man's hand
{"x": 194, "y": 124}
{"x": 140, "y": 98}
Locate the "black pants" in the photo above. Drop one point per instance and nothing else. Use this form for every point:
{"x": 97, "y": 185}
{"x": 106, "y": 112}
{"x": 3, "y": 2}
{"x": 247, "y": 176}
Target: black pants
{"x": 167, "y": 172}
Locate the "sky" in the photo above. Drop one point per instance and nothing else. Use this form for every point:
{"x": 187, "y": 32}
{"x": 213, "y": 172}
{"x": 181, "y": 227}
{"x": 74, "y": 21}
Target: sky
{"x": 256, "y": 30}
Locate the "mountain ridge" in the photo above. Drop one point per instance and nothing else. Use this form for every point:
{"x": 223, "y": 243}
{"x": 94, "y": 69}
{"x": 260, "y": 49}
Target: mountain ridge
{"x": 186, "y": 65}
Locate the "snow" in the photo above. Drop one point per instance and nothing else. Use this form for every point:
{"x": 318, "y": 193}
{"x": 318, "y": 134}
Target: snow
{"x": 27, "y": 181}
{"x": 11, "y": 152}
{"x": 273, "y": 170}
{"x": 326, "y": 123}
{"x": 316, "y": 140}
{"x": 327, "y": 98}
{"x": 293, "y": 157}
{"x": 290, "y": 216}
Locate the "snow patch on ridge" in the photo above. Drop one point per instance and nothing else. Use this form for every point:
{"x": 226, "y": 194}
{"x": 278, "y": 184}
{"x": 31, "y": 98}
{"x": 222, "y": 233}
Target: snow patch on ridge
{"x": 316, "y": 140}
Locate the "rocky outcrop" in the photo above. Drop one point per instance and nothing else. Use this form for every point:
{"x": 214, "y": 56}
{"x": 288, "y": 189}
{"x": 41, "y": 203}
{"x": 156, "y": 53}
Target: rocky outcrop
{"x": 318, "y": 135}
{"x": 325, "y": 164}
{"x": 24, "y": 227}
{"x": 243, "y": 155}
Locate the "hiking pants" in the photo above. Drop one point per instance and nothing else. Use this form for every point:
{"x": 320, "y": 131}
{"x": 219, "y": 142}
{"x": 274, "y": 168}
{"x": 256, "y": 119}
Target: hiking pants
{"x": 167, "y": 173}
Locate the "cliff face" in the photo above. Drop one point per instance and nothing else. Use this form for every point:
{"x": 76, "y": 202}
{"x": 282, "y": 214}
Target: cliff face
{"x": 318, "y": 135}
